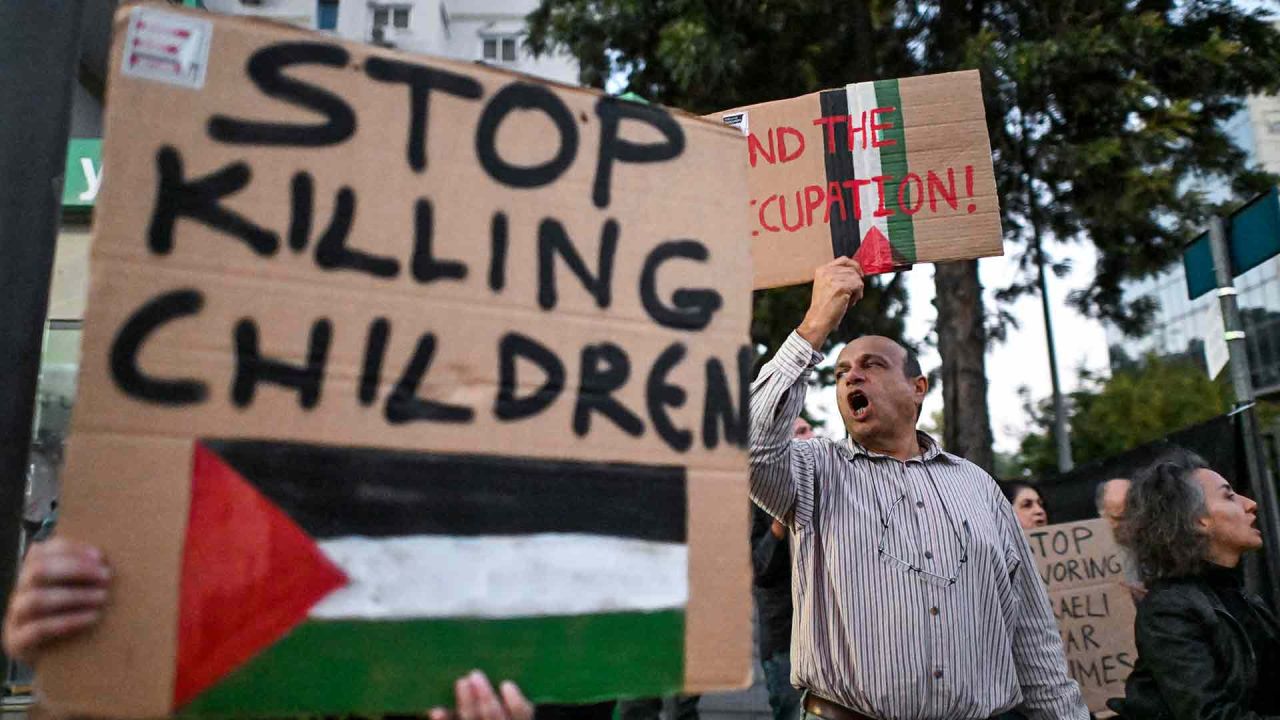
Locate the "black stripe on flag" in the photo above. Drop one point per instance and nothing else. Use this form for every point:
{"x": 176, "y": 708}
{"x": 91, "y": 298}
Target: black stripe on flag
{"x": 335, "y": 491}
{"x": 844, "y": 231}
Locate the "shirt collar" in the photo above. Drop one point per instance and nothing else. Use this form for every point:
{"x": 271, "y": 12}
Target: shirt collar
{"x": 929, "y": 449}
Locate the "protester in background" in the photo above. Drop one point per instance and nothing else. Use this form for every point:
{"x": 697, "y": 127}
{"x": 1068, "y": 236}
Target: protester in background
{"x": 62, "y": 590}
{"x": 1206, "y": 647}
{"x": 1109, "y": 497}
{"x": 1027, "y": 504}
{"x": 916, "y": 594}
{"x": 801, "y": 429}
{"x": 771, "y": 588}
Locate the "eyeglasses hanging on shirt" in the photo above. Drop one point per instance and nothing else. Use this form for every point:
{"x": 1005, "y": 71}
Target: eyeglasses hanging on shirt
{"x": 961, "y": 540}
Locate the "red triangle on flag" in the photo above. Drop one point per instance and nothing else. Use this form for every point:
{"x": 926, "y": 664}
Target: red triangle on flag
{"x": 249, "y": 575}
{"x": 874, "y": 254}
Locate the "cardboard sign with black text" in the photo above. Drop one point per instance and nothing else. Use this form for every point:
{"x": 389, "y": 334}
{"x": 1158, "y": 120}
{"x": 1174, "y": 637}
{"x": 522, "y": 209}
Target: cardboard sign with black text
{"x": 1083, "y": 569}
{"x": 395, "y": 367}
{"x": 891, "y": 172}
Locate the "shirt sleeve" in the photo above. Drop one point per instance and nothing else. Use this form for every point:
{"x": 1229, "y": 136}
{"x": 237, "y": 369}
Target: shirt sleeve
{"x": 781, "y": 469}
{"x": 1048, "y": 692}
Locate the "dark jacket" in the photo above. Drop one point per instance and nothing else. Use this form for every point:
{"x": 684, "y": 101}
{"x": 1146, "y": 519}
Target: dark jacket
{"x": 771, "y": 585}
{"x": 1195, "y": 659}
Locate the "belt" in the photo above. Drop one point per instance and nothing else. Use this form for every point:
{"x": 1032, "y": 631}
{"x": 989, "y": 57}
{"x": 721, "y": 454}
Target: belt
{"x": 829, "y": 709}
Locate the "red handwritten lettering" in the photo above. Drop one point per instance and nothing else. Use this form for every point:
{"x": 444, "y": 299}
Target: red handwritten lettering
{"x": 855, "y": 188}
{"x": 936, "y": 188}
{"x": 783, "y": 133}
{"x": 830, "y": 123}
{"x": 877, "y": 141}
{"x": 905, "y": 194}
{"x": 813, "y": 196}
{"x": 782, "y": 205}
{"x": 851, "y": 130}
{"x": 835, "y": 194}
{"x": 881, "y": 210}
{"x": 764, "y": 224}
{"x": 754, "y": 147}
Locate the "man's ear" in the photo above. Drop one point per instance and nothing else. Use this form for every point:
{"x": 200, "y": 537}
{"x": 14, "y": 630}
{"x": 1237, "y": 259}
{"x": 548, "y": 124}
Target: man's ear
{"x": 920, "y": 386}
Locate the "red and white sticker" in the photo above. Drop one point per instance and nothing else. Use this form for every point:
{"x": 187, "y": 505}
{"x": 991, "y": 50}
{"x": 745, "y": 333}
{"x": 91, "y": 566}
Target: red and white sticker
{"x": 167, "y": 47}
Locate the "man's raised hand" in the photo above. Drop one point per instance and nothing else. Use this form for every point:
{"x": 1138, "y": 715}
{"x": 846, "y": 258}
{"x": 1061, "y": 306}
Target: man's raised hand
{"x": 837, "y": 286}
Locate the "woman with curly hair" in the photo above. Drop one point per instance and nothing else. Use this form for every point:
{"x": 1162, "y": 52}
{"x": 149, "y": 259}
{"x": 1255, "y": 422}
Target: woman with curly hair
{"x": 1206, "y": 647}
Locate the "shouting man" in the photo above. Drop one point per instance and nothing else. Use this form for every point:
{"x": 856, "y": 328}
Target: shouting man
{"x": 915, "y": 592}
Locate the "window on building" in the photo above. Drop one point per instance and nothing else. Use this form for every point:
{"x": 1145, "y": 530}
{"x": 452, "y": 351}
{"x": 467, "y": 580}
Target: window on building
{"x": 501, "y": 49}
{"x": 389, "y": 16}
{"x": 327, "y": 15}
{"x": 1272, "y": 121}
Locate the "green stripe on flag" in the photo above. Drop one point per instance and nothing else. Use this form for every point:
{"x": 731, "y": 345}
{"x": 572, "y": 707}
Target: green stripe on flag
{"x": 408, "y": 666}
{"x": 893, "y": 162}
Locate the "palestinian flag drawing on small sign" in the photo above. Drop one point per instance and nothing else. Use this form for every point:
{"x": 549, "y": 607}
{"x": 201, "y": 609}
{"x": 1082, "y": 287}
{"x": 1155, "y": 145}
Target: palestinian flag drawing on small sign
{"x": 890, "y": 172}
{"x": 394, "y": 368}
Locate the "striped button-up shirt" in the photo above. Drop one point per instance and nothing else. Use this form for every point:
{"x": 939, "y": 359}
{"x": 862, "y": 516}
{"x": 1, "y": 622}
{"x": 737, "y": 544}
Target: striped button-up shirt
{"x": 915, "y": 592}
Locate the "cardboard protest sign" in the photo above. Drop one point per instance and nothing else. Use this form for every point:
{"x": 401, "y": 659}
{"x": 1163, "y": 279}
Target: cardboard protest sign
{"x": 393, "y": 368}
{"x": 892, "y": 172}
{"x": 1083, "y": 569}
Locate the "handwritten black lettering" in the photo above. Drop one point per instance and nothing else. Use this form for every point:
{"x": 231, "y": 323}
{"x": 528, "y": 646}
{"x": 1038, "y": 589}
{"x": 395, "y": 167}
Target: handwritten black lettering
{"x": 266, "y": 68}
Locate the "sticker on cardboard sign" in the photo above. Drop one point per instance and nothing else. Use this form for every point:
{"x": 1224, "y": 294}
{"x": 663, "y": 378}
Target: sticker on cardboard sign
{"x": 167, "y": 47}
{"x": 738, "y": 120}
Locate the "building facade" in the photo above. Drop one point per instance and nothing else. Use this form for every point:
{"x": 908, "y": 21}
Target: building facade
{"x": 1180, "y": 324}
{"x": 488, "y": 31}
{"x": 302, "y": 13}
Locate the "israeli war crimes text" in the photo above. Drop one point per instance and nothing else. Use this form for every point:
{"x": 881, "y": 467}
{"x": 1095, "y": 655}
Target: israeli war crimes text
{"x": 183, "y": 197}
{"x": 1071, "y": 558}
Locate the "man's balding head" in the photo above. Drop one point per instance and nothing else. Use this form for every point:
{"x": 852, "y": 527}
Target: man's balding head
{"x": 1110, "y": 499}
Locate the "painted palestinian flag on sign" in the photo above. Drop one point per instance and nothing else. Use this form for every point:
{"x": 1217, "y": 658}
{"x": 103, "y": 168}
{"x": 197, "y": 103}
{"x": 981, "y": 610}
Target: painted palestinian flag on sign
{"x": 329, "y": 578}
{"x": 891, "y": 172}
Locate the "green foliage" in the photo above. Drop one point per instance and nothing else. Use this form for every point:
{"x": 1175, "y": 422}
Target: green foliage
{"x": 1101, "y": 112}
{"x": 704, "y": 57}
{"x": 1108, "y": 125}
{"x": 1105, "y": 117}
{"x": 1134, "y": 406}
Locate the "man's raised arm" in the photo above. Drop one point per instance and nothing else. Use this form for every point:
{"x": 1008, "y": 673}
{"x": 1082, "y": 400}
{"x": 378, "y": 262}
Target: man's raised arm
{"x": 782, "y": 478}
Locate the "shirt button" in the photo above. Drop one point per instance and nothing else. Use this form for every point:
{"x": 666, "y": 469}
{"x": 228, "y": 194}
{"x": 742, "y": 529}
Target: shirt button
{"x": 933, "y": 611}
{"x": 928, "y": 555}
{"x": 919, "y": 503}
{"x": 937, "y": 674}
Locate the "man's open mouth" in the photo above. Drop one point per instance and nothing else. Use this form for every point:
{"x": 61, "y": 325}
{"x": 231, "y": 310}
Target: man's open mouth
{"x": 859, "y": 404}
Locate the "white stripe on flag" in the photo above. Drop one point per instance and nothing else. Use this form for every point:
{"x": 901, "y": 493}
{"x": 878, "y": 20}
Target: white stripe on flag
{"x": 866, "y": 162}
{"x": 436, "y": 576}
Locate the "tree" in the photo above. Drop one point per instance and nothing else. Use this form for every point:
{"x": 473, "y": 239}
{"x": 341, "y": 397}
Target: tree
{"x": 1102, "y": 114}
{"x": 704, "y": 57}
{"x": 1105, "y": 117}
{"x": 1136, "y": 405}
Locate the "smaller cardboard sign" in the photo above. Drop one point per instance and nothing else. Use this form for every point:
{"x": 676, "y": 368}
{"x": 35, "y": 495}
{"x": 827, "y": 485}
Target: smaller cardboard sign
{"x": 1083, "y": 569}
{"x": 891, "y": 172}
